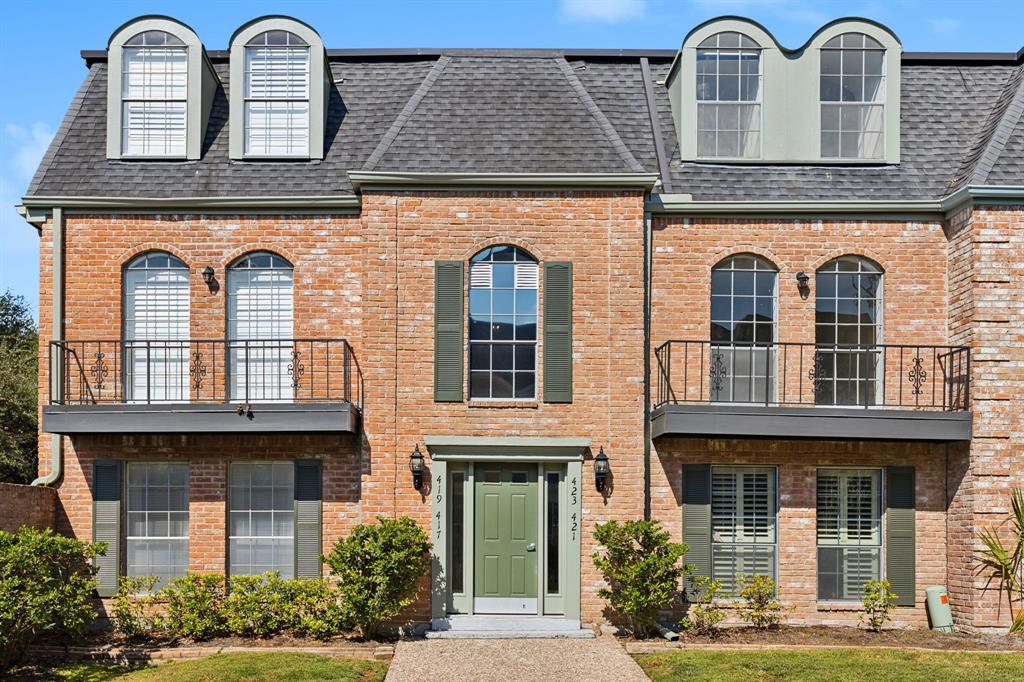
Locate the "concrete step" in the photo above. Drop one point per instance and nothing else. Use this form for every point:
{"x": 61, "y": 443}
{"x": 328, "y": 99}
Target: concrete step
{"x": 507, "y": 627}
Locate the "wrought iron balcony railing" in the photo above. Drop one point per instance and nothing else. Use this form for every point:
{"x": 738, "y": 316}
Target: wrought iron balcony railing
{"x": 207, "y": 371}
{"x": 809, "y": 374}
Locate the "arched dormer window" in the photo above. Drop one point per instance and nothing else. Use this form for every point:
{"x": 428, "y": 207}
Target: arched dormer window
{"x": 852, "y": 92}
{"x": 280, "y": 108}
{"x": 729, "y": 97}
{"x": 159, "y": 91}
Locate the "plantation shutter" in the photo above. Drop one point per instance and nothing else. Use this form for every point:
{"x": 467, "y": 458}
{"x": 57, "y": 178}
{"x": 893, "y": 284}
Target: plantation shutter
{"x": 448, "y": 346}
{"x": 558, "y": 332}
{"x": 106, "y": 523}
{"x": 697, "y": 517}
{"x": 308, "y": 518}
{"x": 899, "y": 534}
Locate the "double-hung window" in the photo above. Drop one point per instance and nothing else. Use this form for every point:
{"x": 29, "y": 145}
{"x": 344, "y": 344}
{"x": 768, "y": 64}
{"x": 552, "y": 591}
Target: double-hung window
{"x": 852, "y": 91}
{"x": 261, "y": 519}
{"x": 157, "y": 537}
{"x": 154, "y": 95}
{"x": 503, "y": 324}
{"x": 743, "y": 524}
{"x": 277, "y": 95}
{"x": 729, "y": 97}
{"x": 849, "y": 531}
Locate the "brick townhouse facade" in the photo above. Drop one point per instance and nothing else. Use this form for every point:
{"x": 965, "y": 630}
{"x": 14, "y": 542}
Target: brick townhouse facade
{"x": 772, "y": 298}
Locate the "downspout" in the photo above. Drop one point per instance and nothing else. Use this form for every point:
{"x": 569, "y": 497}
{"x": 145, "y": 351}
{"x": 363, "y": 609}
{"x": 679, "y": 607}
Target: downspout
{"x": 57, "y": 332}
{"x": 647, "y": 366}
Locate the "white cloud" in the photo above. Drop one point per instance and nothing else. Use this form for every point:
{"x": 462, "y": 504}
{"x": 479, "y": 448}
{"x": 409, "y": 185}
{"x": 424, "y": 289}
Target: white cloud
{"x": 24, "y": 147}
{"x": 603, "y": 11}
{"x": 944, "y": 25}
{"x": 796, "y": 11}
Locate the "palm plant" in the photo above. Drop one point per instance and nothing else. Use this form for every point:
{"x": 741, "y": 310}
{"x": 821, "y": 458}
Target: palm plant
{"x": 1004, "y": 562}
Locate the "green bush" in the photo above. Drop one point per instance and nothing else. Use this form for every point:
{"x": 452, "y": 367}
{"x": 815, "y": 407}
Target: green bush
{"x": 46, "y": 584}
{"x": 194, "y": 607}
{"x": 314, "y": 609}
{"x": 377, "y": 568}
{"x": 879, "y": 603}
{"x": 761, "y": 608}
{"x": 256, "y": 605}
{"x": 134, "y": 608}
{"x": 705, "y": 614}
{"x": 642, "y": 568}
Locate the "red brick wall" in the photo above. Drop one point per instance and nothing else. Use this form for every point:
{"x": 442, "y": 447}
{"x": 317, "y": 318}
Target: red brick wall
{"x": 26, "y": 505}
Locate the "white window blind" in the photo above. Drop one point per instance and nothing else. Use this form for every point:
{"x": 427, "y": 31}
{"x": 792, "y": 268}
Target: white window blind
{"x": 157, "y": 528}
{"x": 277, "y": 95}
{"x": 849, "y": 531}
{"x": 261, "y": 534}
{"x": 154, "y": 92}
{"x": 156, "y": 328}
{"x": 743, "y": 522}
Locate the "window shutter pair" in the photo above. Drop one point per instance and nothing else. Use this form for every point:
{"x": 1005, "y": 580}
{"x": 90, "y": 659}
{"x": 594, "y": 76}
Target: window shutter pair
{"x": 449, "y": 313}
{"x": 106, "y": 521}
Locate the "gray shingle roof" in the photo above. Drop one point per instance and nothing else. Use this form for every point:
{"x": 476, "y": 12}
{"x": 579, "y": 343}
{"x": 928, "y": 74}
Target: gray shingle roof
{"x": 541, "y": 111}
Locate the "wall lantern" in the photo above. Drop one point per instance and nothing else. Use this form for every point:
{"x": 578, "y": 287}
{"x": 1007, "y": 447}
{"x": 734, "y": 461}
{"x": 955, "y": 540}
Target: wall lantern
{"x": 208, "y": 275}
{"x": 602, "y": 468}
{"x": 801, "y": 284}
{"x": 416, "y": 467}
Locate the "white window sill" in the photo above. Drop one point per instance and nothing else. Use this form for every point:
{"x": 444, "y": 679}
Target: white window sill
{"x": 532, "y": 403}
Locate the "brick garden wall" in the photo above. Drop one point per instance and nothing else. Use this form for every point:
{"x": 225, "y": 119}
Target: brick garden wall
{"x": 26, "y": 505}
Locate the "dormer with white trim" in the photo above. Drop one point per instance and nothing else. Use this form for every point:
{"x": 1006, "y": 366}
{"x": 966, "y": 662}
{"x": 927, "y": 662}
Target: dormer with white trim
{"x": 160, "y": 88}
{"x": 280, "y": 88}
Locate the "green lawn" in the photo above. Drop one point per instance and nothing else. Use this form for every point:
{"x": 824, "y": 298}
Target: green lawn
{"x": 835, "y": 665}
{"x": 256, "y": 667}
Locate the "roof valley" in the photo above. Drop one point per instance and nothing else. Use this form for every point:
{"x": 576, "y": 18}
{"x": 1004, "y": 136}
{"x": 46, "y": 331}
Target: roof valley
{"x": 1010, "y": 118}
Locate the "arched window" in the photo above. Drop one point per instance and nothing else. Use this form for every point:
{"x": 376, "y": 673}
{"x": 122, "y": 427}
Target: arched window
{"x": 503, "y": 324}
{"x": 156, "y": 328}
{"x": 729, "y": 97}
{"x": 743, "y": 324}
{"x": 852, "y": 92}
{"x": 848, "y": 329}
{"x": 154, "y": 95}
{"x": 277, "y": 95}
{"x": 260, "y": 327}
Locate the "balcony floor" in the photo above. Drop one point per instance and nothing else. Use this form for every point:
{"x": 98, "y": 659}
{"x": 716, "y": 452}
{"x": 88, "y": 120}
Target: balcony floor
{"x": 759, "y": 421}
{"x": 325, "y": 417}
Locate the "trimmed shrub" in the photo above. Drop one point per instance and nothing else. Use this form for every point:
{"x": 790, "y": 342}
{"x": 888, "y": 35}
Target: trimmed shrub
{"x": 761, "y": 608}
{"x": 642, "y": 568}
{"x": 194, "y": 607}
{"x": 879, "y": 603}
{"x": 256, "y": 605}
{"x": 134, "y": 608}
{"x": 704, "y": 614}
{"x": 378, "y": 568}
{"x": 46, "y": 584}
{"x": 314, "y": 609}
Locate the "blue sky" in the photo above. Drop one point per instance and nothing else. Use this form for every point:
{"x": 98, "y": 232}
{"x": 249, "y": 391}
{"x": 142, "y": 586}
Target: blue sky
{"x": 42, "y": 68}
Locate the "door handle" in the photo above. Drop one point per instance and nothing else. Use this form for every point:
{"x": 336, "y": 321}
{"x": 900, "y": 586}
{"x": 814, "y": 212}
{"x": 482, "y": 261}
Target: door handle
{"x": 532, "y": 547}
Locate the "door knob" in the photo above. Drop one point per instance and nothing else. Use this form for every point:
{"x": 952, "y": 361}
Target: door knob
{"x": 532, "y": 547}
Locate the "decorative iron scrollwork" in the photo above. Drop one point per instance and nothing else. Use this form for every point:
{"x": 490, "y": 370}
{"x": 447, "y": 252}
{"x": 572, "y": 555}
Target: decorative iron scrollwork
{"x": 718, "y": 373}
{"x": 99, "y": 372}
{"x": 296, "y": 370}
{"x": 917, "y": 375}
{"x": 197, "y": 370}
{"x": 817, "y": 373}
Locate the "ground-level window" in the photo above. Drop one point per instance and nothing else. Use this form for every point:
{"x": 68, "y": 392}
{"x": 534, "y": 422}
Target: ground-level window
{"x": 849, "y": 531}
{"x": 157, "y": 537}
{"x": 743, "y": 524}
{"x": 262, "y": 529}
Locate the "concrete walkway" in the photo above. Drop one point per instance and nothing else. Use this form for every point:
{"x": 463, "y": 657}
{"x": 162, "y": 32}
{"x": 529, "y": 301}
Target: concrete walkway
{"x": 590, "y": 660}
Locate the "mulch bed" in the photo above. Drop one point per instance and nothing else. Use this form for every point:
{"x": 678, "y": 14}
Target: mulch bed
{"x": 821, "y": 636}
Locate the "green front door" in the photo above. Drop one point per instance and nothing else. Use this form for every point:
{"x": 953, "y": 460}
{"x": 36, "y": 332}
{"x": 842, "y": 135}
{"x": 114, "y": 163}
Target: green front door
{"x": 505, "y": 538}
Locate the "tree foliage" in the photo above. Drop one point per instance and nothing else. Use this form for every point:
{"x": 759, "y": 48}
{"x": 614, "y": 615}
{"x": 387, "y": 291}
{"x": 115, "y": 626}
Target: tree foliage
{"x": 18, "y": 390}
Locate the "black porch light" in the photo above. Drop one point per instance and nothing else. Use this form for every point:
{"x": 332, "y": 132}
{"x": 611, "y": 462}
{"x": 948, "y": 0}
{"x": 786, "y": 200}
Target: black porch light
{"x": 802, "y": 278}
{"x": 416, "y": 467}
{"x": 602, "y": 468}
{"x": 208, "y": 275}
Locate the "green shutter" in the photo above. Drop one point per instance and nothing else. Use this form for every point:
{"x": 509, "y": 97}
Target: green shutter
{"x": 697, "y": 517}
{"x": 558, "y": 332}
{"x": 106, "y": 523}
{"x": 448, "y": 315}
{"x": 899, "y": 533}
{"x": 308, "y": 518}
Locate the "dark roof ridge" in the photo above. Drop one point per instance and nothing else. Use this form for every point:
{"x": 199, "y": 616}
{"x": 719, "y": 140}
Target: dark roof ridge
{"x": 62, "y": 132}
{"x": 1010, "y": 117}
{"x": 406, "y": 113}
{"x": 595, "y": 111}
